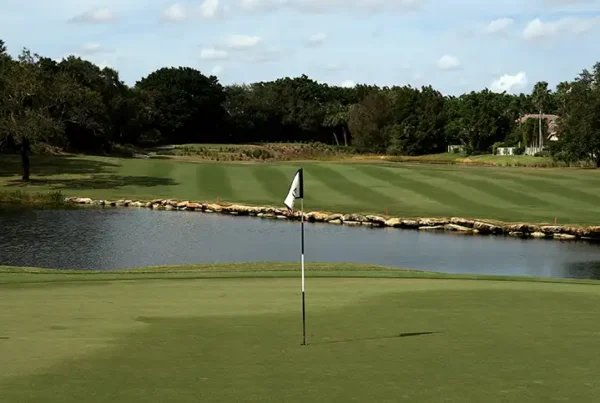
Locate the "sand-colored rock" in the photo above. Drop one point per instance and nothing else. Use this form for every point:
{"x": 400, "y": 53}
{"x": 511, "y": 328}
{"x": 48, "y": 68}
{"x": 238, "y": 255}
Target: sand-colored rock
{"x": 214, "y": 207}
{"x": 193, "y": 206}
{"x": 457, "y": 228}
{"x": 431, "y": 222}
{"x": 354, "y": 217}
{"x": 522, "y": 227}
{"x": 169, "y": 207}
{"x": 182, "y": 204}
{"x": 538, "y": 235}
{"x": 412, "y": 224}
{"x": 149, "y": 204}
{"x": 83, "y": 200}
{"x": 377, "y": 220}
{"x": 463, "y": 222}
{"x": 335, "y": 222}
{"x": 317, "y": 216}
{"x": 551, "y": 229}
{"x": 431, "y": 228}
{"x": 393, "y": 222}
{"x": 564, "y": 236}
{"x": 486, "y": 228}
{"x": 352, "y": 223}
{"x": 333, "y": 217}
{"x": 516, "y": 234}
{"x": 136, "y": 204}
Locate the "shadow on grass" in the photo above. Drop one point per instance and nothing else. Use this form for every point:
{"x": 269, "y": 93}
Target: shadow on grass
{"x": 96, "y": 182}
{"x": 45, "y": 165}
{"x": 397, "y": 336}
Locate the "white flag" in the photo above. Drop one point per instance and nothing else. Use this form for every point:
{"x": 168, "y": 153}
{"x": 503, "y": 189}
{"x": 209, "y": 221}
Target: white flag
{"x": 296, "y": 190}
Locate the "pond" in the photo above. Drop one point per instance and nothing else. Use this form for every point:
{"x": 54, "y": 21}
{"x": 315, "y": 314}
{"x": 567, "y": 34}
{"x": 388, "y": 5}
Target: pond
{"x": 109, "y": 238}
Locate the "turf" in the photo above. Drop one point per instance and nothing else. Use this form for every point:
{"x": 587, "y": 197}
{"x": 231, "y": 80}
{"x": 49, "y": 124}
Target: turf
{"x": 117, "y": 337}
{"x": 505, "y": 194}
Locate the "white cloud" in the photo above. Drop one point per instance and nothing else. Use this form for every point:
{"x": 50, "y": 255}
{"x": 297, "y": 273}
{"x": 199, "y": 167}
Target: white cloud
{"x": 448, "y": 62}
{"x": 209, "y": 8}
{"x": 93, "y": 48}
{"x": 94, "y": 16}
{"x": 213, "y": 54}
{"x": 509, "y": 83}
{"x": 317, "y": 39}
{"x": 498, "y": 26}
{"x": 348, "y": 84}
{"x": 217, "y": 70}
{"x": 372, "y": 6}
{"x": 175, "y": 13}
{"x": 241, "y": 42}
{"x": 537, "y": 29}
{"x": 179, "y": 12}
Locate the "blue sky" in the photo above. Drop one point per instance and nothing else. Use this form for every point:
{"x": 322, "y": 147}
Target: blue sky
{"x": 454, "y": 45}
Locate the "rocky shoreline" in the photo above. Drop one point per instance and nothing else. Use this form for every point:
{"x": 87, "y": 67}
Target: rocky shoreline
{"x": 455, "y": 225}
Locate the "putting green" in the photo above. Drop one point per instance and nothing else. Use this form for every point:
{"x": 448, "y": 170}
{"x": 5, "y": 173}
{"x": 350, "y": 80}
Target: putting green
{"x": 143, "y": 336}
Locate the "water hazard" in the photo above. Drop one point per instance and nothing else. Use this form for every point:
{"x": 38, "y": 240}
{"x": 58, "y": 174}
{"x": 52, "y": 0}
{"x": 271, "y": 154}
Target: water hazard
{"x": 123, "y": 238}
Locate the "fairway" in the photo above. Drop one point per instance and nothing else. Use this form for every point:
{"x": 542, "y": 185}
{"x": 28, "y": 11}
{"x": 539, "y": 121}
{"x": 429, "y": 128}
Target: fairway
{"x": 506, "y": 194}
{"x": 151, "y": 336}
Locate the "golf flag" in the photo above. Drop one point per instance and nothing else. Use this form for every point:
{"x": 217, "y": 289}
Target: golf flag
{"x": 296, "y": 190}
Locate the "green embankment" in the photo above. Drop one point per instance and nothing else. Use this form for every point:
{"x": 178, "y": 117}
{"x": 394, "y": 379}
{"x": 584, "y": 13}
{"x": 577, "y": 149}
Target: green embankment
{"x": 146, "y": 335}
{"x": 515, "y": 194}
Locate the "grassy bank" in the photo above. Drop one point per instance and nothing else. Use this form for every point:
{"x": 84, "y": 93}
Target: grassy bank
{"x": 516, "y": 194}
{"x": 136, "y": 336}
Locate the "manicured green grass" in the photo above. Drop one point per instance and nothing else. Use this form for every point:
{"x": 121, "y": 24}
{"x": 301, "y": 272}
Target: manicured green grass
{"x": 515, "y": 194}
{"x": 140, "y": 336}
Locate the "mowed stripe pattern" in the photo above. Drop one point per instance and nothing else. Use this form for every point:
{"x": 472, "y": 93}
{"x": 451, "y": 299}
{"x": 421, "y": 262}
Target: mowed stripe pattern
{"x": 508, "y": 194}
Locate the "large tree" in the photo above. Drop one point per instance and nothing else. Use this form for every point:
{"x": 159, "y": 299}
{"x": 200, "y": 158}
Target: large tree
{"x": 189, "y": 105}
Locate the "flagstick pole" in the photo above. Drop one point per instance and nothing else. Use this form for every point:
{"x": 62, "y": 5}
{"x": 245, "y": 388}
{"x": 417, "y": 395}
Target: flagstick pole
{"x": 303, "y": 293}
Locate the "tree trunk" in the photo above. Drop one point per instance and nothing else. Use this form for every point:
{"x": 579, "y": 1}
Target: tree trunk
{"x": 597, "y": 161}
{"x": 540, "y": 130}
{"x": 345, "y": 136}
{"x": 336, "y": 139}
{"x": 25, "y": 159}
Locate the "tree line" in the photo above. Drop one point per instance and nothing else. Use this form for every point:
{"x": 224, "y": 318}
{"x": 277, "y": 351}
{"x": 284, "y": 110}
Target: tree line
{"x": 74, "y": 105}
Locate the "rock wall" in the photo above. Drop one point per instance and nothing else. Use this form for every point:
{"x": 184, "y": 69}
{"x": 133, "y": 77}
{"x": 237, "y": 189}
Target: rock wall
{"x": 456, "y": 225}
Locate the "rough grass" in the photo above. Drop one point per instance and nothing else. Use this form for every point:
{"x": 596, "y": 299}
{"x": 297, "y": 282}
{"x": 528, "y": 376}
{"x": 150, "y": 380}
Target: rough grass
{"x": 406, "y": 190}
{"x": 484, "y": 160}
{"x": 238, "y": 339}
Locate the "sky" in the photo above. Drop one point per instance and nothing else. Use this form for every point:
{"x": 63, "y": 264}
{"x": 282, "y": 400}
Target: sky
{"x": 456, "y": 46}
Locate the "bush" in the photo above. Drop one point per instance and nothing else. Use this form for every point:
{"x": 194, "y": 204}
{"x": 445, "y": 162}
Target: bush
{"x": 519, "y": 151}
{"x": 544, "y": 153}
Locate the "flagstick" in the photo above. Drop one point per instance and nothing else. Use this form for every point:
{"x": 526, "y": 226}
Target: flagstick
{"x": 302, "y": 234}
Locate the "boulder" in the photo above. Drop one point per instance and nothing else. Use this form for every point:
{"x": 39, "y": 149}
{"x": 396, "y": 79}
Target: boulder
{"x": 354, "y": 217}
{"x": 377, "y": 220}
{"x": 193, "y": 206}
{"x": 83, "y": 200}
{"x": 336, "y": 222}
{"x": 156, "y": 201}
{"x": 282, "y": 217}
{"x": 538, "y": 235}
{"x": 149, "y": 205}
{"x": 516, "y": 234}
{"x": 431, "y": 228}
{"x": 208, "y": 211}
{"x": 172, "y": 203}
{"x": 564, "y": 236}
{"x": 577, "y": 231}
{"x": 169, "y": 207}
{"x": 463, "y": 222}
{"x": 352, "y": 223}
{"x": 214, "y": 207}
{"x": 316, "y": 216}
{"x": 333, "y": 217}
{"x": 431, "y": 222}
{"x": 551, "y": 229}
{"x": 521, "y": 227}
{"x": 182, "y": 204}
{"x": 457, "y": 228}
{"x": 394, "y": 223}
{"x": 112, "y": 203}
{"x": 592, "y": 232}
{"x": 136, "y": 204}
{"x": 412, "y": 224}
{"x": 486, "y": 228}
